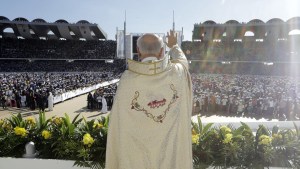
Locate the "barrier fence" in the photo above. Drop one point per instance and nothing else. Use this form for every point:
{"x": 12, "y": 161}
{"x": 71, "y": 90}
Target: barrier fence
{"x": 68, "y": 95}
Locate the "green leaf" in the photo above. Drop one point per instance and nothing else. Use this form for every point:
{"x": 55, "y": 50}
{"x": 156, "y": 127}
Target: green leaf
{"x": 262, "y": 130}
{"x": 106, "y": 121}
{"x": 245, "y": 126}
{"x": 239, "y": 131}
{"x": 275, "y": 129}
{"x": 297, "y": 129}
{"x": 206, "y": 128}
{"x": 200, "y": 124}
{"x": 195, "y": 127}
{"x": 75, "y": 118}
{"x": 67, "y": 120}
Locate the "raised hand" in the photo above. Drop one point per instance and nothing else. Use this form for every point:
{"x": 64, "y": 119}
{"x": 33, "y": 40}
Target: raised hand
{"x": 172, "y": 39}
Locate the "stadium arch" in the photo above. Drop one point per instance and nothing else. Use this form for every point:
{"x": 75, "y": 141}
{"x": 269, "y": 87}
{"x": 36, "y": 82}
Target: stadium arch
{"x": 232, "y": 22}
{"x": 275, "y": 20}
{"x": 293, "y": 25}
{"x": 61, "y": 21}
{"x": 39, "y": 20}
{"x": 256, "y": 21}
{"x": 209, "y": 22}
{"x": 3, "y": 18}
{"x": 21, "y": 19}
{"x": 83, "y": 22}
{"x": 294, "y": 20}
{"x": 256, "y": 26}
{"x": 39, "y": 28}
{"x": 233, "y": 30}
{"x": 275, "y": 29}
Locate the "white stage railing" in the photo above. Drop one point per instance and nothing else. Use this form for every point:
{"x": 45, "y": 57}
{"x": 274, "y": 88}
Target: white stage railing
{"x": 251, "y": 122}
{"x": 77, "y": 92}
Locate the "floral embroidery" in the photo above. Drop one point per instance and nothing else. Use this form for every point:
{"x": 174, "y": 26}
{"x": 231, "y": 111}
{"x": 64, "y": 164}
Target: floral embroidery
{"x": 135, "y": 105}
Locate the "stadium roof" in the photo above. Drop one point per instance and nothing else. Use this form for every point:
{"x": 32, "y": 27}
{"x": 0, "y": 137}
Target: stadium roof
{"x": 273, "y": 29}
{"x": 38, "y": 28}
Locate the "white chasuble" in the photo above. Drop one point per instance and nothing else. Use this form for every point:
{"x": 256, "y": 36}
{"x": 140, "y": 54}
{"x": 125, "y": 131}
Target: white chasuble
{"x": 150, "y": 122}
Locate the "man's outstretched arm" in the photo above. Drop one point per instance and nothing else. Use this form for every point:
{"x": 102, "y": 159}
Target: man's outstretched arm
{"x": 175, "y": 52}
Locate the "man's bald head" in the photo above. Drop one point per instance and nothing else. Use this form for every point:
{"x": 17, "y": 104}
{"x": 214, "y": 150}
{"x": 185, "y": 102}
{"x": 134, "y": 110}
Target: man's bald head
{"x": 150, "y": 45}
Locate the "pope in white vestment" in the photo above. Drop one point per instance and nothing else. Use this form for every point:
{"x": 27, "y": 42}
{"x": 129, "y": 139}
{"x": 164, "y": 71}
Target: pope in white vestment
{"x": 150, "y": 122}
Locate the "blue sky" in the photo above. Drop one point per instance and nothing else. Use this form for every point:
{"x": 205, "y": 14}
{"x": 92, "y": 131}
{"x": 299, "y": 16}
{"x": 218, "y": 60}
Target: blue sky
{"x": 151, "y": 15}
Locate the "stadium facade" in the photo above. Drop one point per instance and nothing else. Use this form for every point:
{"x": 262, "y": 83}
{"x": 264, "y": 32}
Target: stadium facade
{"x": 271, "y": 30}
{"x": 39, "y": 28}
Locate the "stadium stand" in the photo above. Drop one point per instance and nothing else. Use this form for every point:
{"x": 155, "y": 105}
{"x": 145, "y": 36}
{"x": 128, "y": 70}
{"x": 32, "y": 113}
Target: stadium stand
{"x": 56, "y": 49}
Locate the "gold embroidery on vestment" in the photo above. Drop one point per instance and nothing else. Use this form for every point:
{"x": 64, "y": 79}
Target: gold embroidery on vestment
{"x": 136, "y": 106}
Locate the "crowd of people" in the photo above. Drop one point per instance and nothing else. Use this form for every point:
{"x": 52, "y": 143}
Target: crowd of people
{"x": 30, "y": 82}
{"x": 61, "y": 66}
{"x": 229, "y": 90}
{"x": 247, "y": 96}
{"x": 27, "y": 99}
{"x": 102, "y": 98}
{"x": 32, "y": 89}
{"x": 56, "y": 49}
{"x": 222, "y": 94}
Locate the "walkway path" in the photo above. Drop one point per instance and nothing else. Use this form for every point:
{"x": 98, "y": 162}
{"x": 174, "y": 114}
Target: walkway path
{"x": 72, "y": 107}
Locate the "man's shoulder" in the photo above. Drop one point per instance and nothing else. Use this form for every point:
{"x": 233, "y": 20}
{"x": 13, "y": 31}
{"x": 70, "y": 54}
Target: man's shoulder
{"x": 181, "y": 65}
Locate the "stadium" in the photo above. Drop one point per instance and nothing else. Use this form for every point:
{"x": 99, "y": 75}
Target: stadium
{"x": 239, "y": 70}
